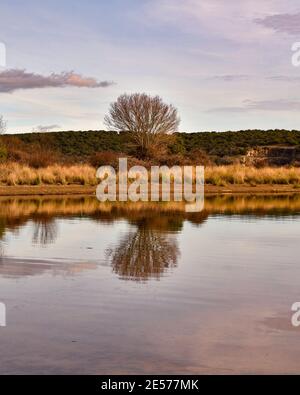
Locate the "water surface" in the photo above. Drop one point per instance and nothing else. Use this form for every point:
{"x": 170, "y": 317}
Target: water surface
{"x": 96, "y": 288}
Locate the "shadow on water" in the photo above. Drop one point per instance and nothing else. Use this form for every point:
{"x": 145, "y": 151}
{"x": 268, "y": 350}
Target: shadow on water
{"x": 150, "y": 246}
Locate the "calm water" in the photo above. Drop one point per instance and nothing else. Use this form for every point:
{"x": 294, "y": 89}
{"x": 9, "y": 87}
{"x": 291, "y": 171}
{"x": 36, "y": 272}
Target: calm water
{"x": 100, "y": 289}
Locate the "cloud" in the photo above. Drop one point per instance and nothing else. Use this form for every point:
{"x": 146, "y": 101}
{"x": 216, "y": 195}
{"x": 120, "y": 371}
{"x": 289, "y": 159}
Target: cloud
{"x": 284, "y": 78}
{"x": 263, "y": 105}
{"x": 282, "y": 23}
{"x": 215, "y": 19}
{"x": 46, "y": 128}
{"x": 15, "y": 79}
{"x": 229, "y": 109}
{"x": 273, "y": 105}
{"x": 231, "y": 77}
{"x": 245, "y": 77}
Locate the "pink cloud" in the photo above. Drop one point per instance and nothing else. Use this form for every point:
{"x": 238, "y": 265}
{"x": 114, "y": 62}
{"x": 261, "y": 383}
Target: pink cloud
{"x": 15, "y": 79}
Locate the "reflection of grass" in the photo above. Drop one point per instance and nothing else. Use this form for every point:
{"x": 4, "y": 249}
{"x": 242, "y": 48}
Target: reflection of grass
{"x": 15, "y": 212}
{"x": 263, "y": 204}
{"x": 16, "y": 174}
{"x": 69, "y": 206}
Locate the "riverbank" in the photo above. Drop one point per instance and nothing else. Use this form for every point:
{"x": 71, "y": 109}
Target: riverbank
{"x": 59, "y": 190}
{"x": 17, "y": 179}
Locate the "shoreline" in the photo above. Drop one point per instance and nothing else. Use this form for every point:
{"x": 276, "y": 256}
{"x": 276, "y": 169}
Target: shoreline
{"x": 58, "y": 190}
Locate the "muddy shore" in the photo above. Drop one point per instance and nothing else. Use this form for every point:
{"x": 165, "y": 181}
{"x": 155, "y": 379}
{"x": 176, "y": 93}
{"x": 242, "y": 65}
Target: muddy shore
{"x": 22, "y": 190}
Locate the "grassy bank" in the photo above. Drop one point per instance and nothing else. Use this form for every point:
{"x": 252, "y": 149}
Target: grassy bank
{"x": 14, "y": 174}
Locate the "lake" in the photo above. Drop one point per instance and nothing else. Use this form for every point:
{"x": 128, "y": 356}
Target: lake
{"x": 94, "y": 288}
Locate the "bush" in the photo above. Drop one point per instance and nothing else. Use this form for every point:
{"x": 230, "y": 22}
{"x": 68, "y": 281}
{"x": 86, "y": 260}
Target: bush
{"x": 225, "y": 161}
{"x": 170, "y": 160}
{"x": 3, "y": 153}
{"x": 33, "y": 155}
{"x": 199, "y": 157}
{"x": 42, "y": 158}
{"x": 105, "y": 158}
{"x": 176, "y": 145}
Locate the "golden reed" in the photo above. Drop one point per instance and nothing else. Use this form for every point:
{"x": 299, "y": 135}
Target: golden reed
{"x": 16, "y": 174}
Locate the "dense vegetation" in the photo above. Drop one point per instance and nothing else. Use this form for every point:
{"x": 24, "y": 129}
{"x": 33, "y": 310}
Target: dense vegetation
{"x": 214, "y": 143}
{"x": 70, "y": 143}
{"x": 237, "y": 143}
{"x": 64, "y": 158}
{"x": 72, "y": 146}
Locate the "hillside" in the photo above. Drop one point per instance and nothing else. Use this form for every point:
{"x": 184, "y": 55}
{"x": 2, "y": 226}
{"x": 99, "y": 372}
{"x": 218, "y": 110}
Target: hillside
{"x": 217, "y": 145}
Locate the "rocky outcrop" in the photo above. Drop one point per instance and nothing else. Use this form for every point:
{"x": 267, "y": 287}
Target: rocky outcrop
{"x": 272, "y": 156}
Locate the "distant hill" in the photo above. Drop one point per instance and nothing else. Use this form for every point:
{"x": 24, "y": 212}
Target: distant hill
{"x": 238, "y": 143}
{"x": 217, "y": 144}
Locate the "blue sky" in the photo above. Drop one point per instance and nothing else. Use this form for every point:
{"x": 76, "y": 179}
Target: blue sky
{"x": 225, "y": 65}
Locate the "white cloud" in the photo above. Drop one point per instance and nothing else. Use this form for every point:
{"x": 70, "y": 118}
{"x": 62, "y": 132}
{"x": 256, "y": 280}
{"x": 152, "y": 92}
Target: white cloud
{"x": 261, "y": 105}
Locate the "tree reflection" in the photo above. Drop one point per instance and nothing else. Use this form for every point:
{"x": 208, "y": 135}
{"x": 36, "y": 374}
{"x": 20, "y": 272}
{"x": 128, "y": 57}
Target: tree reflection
{"x": 146, "y": 252}
{"x": 45, "y": 230}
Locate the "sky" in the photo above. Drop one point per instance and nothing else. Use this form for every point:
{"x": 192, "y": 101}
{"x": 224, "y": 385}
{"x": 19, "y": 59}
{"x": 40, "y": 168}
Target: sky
{"x": 226, "y": 65}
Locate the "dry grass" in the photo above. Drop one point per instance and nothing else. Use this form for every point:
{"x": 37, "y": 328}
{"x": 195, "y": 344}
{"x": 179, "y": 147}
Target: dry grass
{"x": 17, "y": 174}
{"x": 237, "y": 174}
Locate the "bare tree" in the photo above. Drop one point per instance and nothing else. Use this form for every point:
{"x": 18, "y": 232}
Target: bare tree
{"x": 148, "y": 119}
{"x": 2, "y": 125}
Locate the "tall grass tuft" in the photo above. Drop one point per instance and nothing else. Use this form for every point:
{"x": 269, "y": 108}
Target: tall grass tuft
{"x": 238, "y": 174}
{"x": 16, "y": 174}
{"x": 12, "y": 173}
